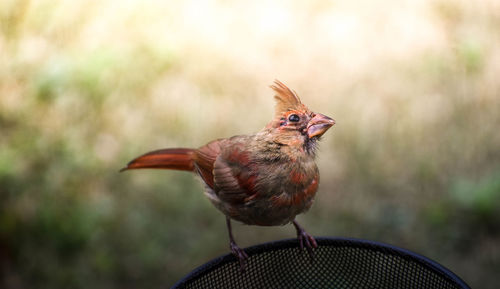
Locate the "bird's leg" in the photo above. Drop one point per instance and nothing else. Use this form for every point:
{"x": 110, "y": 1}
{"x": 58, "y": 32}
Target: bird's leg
{"x": 305, "y": 239}
{"x": 237, "y": 251}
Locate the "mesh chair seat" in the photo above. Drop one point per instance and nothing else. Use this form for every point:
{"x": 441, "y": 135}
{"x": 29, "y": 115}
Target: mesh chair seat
{"x": 338, "y": 263}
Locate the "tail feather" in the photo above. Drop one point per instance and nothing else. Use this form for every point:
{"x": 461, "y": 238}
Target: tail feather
{"x": 175, "y": 159}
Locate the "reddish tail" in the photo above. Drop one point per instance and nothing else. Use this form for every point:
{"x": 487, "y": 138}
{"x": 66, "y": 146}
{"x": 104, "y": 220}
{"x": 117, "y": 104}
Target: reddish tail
{"x": 175, "y": 159}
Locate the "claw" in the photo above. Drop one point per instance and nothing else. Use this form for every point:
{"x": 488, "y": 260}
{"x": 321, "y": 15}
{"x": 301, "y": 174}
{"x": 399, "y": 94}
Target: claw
{"x": 305, "y": 240}
{"x": 237, "y": 251}
{"x": 240, "y": 254}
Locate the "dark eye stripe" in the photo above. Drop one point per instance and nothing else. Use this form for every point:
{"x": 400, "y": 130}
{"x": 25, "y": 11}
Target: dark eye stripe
{"x": 293, "y": 118}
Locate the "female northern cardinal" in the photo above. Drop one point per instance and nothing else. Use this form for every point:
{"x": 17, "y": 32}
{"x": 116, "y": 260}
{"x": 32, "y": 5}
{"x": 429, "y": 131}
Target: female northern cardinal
{"x": 264, "y": 179}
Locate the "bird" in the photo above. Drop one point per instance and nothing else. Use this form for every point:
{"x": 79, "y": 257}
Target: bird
{"x": 263, "y": 179}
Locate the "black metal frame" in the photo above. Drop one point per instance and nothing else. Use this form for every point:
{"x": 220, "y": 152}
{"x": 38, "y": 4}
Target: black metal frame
{"x": 326, "y": 241}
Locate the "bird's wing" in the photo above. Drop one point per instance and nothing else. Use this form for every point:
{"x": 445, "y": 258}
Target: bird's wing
{"x": 235, "y": 174}
{"x": 205, "y": 159}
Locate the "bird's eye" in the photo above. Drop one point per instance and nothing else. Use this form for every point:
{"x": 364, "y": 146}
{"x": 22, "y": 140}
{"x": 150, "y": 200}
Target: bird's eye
{"x": 293, "y": 118}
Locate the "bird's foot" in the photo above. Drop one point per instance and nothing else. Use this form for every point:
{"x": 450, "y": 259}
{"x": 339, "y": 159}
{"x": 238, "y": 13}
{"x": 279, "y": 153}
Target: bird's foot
{"x": 305, "y": 240}
{"x": 240, "y": 254}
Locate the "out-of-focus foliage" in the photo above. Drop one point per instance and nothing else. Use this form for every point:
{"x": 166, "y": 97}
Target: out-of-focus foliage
{"x": 85, "y": 86}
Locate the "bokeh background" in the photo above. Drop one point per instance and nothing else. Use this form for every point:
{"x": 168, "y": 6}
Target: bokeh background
{"x": 85, "y": 86}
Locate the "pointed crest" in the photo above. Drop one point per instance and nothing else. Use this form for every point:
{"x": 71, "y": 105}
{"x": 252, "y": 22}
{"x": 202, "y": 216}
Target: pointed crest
{"x": 286, "y": 99}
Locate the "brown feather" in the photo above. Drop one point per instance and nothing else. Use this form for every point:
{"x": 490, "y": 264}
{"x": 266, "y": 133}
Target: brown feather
{"x": 286, "y": 99}
{"x": 175, "y": 159}
{"x": 235, "y": 175}
{"x": 205, "y": 159}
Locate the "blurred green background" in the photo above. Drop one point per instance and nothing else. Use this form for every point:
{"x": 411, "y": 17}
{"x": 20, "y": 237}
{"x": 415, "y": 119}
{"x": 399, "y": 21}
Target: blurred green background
{"x": 85, "y": 86}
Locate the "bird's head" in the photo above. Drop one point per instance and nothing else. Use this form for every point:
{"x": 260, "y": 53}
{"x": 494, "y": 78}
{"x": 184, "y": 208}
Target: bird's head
{"x": 293, "y": 121}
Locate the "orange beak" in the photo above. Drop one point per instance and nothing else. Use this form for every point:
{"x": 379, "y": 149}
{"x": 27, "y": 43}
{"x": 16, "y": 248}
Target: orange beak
{"x": 318, "y": 125}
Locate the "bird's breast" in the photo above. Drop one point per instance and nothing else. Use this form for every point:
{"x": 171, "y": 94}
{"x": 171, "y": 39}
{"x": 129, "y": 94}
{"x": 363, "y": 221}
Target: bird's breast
{"x": 296, "y": 197}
